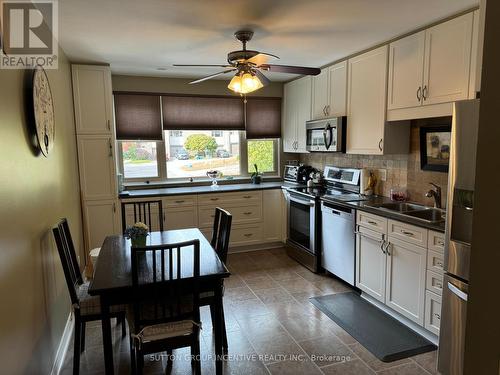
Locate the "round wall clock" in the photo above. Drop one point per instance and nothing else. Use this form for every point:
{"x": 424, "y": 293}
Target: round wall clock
{"x": 43, "y": 111}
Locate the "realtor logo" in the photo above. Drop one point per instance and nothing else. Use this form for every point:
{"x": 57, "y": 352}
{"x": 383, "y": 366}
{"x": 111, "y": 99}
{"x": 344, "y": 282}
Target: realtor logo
{"x": 28, "y": 34}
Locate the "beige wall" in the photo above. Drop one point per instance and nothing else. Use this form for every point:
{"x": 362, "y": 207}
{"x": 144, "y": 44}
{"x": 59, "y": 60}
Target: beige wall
{"x": 181, "y": 86}
{"x": 35, "y": 192}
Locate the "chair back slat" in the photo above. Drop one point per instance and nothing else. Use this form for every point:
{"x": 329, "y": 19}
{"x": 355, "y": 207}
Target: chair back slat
{"x": 221, "y": 233}
{"x": 143, "y": 212}
{"x": 166, "y": 289}
{"x": 68, "y": 239}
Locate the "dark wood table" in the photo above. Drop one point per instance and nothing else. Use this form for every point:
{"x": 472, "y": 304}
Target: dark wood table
{"x": 113, "y": 281}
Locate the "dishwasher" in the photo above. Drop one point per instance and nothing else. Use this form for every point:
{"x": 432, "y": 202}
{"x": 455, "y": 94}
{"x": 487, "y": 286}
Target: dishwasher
{"x": 338, "y": 248}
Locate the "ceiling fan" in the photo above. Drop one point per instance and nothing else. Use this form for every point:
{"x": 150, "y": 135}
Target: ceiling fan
{"x": 248, "y": 66}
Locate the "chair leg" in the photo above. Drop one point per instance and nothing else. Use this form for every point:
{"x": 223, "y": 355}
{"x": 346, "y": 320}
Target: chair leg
{"x": 82, "y": 347}
{"x": 195, "y": 355}
{"x": 139, "y": 361}
{"x": 224, "y": 333}
{"x": 133, "y": 363}
{"x": 170, "y": 362}
{"x": 78, "y": 341}
{"x": 124, "y": 328}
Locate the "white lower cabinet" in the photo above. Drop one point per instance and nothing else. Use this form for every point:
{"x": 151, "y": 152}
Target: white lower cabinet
{"x": 405, "y": 279}
{"x": 101, "y": 219}
{"x": 272, "y": 206}
{"x": 432, "y": 312}
{"x": 370, "y": 263}
{"x": 180, "y": 217}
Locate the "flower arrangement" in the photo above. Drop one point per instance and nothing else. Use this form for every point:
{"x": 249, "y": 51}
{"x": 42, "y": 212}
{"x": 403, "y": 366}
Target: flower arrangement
{"x": 137, "y": 234}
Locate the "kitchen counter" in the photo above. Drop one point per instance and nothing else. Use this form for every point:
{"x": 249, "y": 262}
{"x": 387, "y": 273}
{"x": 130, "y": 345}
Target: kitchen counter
{"x": 368, "y": 206}
{"x": 205, "y": 189}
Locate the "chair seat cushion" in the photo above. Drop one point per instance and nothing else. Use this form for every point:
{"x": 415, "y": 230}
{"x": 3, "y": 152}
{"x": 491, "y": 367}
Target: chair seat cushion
{"x": 163, "y": 331}
{"x": 91, "y": 305}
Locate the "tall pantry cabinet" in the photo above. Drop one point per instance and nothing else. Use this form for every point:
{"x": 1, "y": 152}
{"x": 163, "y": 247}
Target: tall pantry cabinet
{"x": 95, "y": 136}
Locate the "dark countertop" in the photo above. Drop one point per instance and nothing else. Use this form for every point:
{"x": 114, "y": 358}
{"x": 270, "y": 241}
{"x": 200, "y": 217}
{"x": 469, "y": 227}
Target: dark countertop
{"x": 368, "y": 206}
{"x": 204, "y": 189}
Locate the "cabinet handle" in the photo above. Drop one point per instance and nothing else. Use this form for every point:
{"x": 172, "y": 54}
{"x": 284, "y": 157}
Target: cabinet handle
{"x": 380, "y": 144}
{"x": 439, "y": 264}
{"x": 440, "y": 243}
{"x": 110, "y": 148}
{"x": 372, "y": 222}
{"x": 424, "y": 92}
{"x": 382, "y": 244}
{"x": 419, "y": 92}
{"x": 181, "y": 201}
{"x": 214, "y": 199}
{"x": 324, "y": 110}
{"x": 407, "y": 233}
{"x": 247, "y": 213}
{"x": 247, "y": 196}
{"x": 108, "y": 124}
{"x": 439, "y": 285}
{"x": 248, "y": 234}
{"x": 328, "y": 110}
{"x": 438, "y": 317}
{"x": 114, "y": 207}
{"x": 212, "y": 216}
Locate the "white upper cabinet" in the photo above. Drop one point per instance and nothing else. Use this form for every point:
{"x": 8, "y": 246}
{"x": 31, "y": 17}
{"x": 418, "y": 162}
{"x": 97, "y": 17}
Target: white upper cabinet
{"x": 431, "y": 69}
{"x": 366, "y": 102}
{"x": 447, "y": 60}
{"x": 406, "y": 71}
{"x": 297, "y": 110}
{"x": 329, "y": 90}
{"x": 92, "y": 95}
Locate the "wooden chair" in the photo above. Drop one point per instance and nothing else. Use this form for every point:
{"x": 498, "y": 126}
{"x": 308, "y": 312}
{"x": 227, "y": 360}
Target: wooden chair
{"x": 86, "y": 308}
{"x": 165, "y": 314}
{"x": 143, "y": 213}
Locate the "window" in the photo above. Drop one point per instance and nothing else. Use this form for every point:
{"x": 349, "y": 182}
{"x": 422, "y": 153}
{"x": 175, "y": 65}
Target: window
{"x": 139, "y": 159}
{"x": 191, "y": 153}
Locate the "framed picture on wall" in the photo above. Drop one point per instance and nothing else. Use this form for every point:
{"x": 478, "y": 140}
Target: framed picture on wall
{"x": 435, "y": 148}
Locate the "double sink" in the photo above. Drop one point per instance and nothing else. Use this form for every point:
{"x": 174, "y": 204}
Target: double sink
{"x": 417, "y": 211}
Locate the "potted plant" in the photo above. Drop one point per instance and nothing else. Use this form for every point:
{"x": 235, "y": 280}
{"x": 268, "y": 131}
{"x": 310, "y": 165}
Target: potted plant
{"x": 256, "y": 177}
{"x": 137, "y": 234}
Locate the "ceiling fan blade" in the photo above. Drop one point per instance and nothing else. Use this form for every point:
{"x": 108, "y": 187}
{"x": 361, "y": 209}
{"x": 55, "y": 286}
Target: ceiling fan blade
{"x": 291, "y": 69}
{"x": 204, "y": 65}
{"x": 263, "y": 79}
{"x": 212, "y": 76}
{"x": 261, "y": 58}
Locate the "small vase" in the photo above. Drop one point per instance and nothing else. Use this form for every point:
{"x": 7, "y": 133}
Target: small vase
{"x": 138, "y": 241}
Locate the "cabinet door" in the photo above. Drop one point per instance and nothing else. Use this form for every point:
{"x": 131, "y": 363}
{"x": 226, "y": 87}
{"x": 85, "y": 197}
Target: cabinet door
{"x": 320, "y": 95}
{"x": 92, "y": 98}
{"x": 447, "y": 60}
{"x": 181, "y": 218}
{"x": 370, "y": 264}
{"x": 303, "y": 105}
{"x": 366, "y": 98}
{"x": 337, "y": 75}
{"x": 101, "y": 220}
{"x": 272, "y": 202}
{"x": 405, "y": 282}
{"x": 406, "y": 70}
{"x": 289, "y": 118}
{"x": 97, "y": 167}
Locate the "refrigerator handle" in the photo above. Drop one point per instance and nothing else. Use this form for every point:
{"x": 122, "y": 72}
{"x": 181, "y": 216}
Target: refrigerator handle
{"x": 457, "y": 292}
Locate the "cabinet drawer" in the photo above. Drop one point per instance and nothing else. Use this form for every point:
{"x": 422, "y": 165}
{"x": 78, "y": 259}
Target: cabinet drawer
{"x": 180, "y": 217}
{"x": 180, "y": 201}
{"x": 241, "y": 214}
{"x": 240, "y": 197}
{"x": 370, "y": 221}
{"x": 245, "y": 234}
{"x": 435, "y": 261}
{"x": 408, "y": 233}
{"x": 436, "y": 241}
{"x": 434, "y": 282}
{"x": 432, "y": 312}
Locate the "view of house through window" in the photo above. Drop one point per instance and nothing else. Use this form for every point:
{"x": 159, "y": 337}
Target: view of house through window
{"x": 139, "y": 159}
{"x": 193, "y": 153}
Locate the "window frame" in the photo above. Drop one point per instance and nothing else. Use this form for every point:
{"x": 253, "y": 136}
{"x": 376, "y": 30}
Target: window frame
{"x": 162, "y": 162}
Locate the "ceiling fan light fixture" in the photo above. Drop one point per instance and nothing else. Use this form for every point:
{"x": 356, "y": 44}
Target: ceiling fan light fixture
{"x": 245, "y": 83}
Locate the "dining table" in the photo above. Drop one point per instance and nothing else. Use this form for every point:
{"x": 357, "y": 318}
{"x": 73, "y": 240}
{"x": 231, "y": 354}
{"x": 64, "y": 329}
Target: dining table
{"x": 112, "y": 282}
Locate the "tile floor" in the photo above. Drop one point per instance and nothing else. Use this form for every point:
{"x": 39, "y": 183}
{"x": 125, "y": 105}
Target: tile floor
{"x": 272, "y": 329}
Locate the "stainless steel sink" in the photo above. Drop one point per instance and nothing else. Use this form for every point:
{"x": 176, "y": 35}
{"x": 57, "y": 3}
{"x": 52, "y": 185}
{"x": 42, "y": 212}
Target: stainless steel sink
{"x": 430, "y": 215}
{"x": 401, "y": 207}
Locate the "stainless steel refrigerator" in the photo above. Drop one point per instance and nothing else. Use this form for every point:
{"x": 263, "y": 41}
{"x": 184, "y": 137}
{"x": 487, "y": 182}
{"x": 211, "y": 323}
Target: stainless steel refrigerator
{"x": 458, "y": 234}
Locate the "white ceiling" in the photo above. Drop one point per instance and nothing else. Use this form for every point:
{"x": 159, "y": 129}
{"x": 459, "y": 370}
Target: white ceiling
{"x": 138, "y": 37}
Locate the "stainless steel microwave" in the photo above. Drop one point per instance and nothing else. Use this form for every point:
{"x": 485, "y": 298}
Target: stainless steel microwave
{"x": 327, "y": 135}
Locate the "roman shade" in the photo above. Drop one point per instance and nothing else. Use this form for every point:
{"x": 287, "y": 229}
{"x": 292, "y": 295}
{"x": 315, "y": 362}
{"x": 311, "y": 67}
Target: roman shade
{"x": 190, "y": 112}
{"x": 263, "y": 117}
{"x": 138, "y": 117}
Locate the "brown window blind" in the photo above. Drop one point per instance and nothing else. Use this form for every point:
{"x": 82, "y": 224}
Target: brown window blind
{"x": 138, "y": 117}
{"x": 183, "y": 112}
{"x": 263, "y": 118}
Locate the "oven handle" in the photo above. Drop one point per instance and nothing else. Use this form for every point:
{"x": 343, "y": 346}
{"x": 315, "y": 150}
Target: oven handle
{"x": 301, "y": 201}
{"x": 328, "y": 128}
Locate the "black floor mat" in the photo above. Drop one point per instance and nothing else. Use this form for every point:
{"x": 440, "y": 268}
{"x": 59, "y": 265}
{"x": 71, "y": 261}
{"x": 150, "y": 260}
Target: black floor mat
{"x": 385, "y": 337}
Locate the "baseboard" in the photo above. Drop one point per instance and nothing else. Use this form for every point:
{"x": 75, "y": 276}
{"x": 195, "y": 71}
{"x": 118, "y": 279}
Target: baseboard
{"x": 62, "y": 349}
{"x": 262, "y": 246}
{"x": 407, "y": 322}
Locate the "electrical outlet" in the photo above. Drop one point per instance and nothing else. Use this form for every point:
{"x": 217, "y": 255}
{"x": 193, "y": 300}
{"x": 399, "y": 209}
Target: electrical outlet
{"x": 382, "y": 174}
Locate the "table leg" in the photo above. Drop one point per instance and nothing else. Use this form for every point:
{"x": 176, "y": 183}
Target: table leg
{"x": 218, "y": 331}
{"x": 106, "y": 337}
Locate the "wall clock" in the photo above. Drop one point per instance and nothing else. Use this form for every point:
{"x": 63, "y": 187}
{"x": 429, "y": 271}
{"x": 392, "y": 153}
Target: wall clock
{"x": 43, "y": 111}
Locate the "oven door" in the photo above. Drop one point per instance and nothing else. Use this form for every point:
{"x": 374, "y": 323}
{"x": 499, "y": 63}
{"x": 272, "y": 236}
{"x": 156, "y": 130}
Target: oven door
{"x": 302, "y": 222}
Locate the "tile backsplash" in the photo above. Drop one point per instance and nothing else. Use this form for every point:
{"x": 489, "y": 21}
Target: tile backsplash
{"x": 401, "y": 170}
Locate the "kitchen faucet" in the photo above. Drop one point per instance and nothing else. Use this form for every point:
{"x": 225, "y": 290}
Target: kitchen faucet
{"x": 436, "y": 194}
